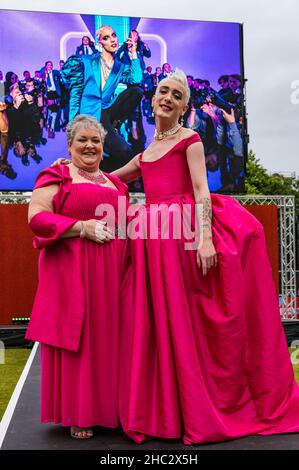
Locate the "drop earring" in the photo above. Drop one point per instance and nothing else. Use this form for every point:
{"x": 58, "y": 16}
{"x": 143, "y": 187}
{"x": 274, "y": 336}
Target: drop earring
{"x": 182, "y": 120}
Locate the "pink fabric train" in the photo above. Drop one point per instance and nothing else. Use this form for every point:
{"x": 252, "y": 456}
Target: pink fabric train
{"x": 204, "y": 358}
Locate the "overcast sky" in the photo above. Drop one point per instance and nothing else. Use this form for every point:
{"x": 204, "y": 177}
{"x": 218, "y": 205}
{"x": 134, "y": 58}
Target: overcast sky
{"x": 271, "y": 55}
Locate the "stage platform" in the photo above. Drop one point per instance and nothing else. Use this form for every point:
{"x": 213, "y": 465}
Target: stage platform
{"x": 21, "y": 430}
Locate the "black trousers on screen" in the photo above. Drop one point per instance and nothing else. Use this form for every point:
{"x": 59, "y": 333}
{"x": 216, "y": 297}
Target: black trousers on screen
{"x": 119, "y": 151}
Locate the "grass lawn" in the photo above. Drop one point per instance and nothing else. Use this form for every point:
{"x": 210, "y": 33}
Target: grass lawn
{"x": 295, "y": 357}
{"x": 15, "y": 360}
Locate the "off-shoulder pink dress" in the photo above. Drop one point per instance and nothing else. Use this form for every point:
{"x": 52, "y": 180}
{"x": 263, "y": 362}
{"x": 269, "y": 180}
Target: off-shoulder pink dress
{"x": 76, "y": 310}
{"x": 204, "y": 358}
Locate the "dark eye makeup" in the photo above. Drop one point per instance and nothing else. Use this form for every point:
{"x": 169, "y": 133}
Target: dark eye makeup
{"x": 176, "y": 94}
{"x": 107, "y": 37}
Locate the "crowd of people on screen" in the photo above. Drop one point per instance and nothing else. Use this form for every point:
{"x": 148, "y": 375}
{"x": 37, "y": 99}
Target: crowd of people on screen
{"x": 35, "y": 107}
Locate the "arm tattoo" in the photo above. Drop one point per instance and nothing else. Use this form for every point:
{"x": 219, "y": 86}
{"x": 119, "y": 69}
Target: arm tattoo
{"x": 205, "y": 212}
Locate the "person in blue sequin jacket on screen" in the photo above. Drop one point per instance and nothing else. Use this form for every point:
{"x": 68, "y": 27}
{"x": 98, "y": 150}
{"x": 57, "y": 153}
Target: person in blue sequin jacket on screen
{"x": 92, "y": 81}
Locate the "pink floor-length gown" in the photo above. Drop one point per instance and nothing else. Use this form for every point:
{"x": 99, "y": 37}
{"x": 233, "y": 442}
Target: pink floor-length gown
{"x": 204, "y": 358}
{"x": 80, "y": 387}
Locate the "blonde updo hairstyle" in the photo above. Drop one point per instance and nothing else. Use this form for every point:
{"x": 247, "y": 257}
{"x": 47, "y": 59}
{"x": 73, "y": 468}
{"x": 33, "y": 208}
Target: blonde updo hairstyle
{"x": 101, "y": 29}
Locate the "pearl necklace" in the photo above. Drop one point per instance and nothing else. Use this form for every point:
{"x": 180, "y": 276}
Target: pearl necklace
{"x": 161, "y": 135}
{"x": 96, "y": 179}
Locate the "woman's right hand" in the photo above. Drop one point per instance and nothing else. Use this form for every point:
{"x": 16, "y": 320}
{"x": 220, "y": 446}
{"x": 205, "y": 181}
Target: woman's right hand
{"x": 61, "y": 161}
{"x": 97, "y": 231}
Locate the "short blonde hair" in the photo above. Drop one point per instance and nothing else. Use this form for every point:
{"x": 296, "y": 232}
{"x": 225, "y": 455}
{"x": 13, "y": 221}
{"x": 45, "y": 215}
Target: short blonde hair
{"x": 86, "y": 121}
{"x": 180, "y": 76}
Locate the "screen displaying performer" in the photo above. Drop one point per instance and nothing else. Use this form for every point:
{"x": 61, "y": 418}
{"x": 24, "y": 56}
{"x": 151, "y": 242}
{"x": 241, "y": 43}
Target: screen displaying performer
{"x": 109, "y": 68}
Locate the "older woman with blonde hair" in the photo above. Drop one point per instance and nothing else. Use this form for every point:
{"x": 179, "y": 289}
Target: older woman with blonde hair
{"x": 75, "y": 315}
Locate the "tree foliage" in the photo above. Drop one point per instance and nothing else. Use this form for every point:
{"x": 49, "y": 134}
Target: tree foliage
{"x": 259, "y": 181}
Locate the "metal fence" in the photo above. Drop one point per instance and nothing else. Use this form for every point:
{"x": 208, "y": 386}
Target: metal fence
{"x": 287, "y": 236}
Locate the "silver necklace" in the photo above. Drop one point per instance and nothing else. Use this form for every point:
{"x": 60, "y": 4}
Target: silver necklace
{"x": 106, "y": 68}
{"x": 105, "y": 63}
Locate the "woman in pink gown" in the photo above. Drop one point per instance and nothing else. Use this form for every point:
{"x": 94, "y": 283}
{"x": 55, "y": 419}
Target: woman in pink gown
{"x": 204, "y": 356}
{"x": 75, "y": 315}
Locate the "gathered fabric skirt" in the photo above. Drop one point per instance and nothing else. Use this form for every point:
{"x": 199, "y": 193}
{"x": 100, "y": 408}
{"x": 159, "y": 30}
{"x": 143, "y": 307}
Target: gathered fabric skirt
{"x": 82, "y": 388}
{"x": 205, "y": 358}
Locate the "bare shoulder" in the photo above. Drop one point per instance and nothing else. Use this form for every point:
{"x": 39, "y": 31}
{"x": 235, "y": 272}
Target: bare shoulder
{"x": 186, "y": 132}
{"x": 195, "y": 143}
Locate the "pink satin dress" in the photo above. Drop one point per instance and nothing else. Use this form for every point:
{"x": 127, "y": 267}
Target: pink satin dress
{"x": 204, "y": 359}
{"x": 76, "y": 310}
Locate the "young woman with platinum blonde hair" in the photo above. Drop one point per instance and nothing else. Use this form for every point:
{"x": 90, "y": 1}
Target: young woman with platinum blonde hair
{"x": 203, "y": 352}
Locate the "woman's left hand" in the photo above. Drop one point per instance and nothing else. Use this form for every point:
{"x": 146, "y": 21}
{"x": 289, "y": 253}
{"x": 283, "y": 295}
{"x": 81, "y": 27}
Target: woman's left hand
{"x": 206, "y": 256}
{"x": 61, "y": 161}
